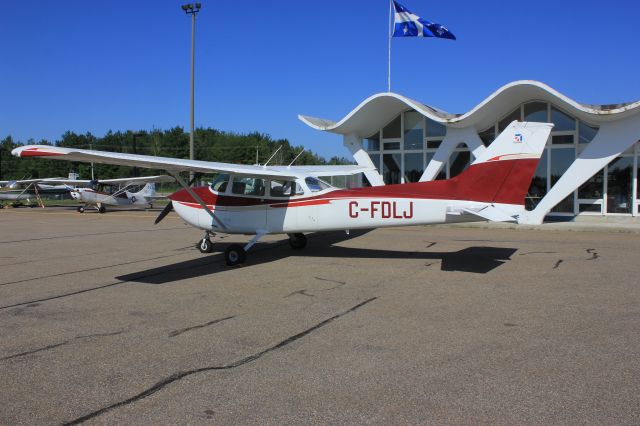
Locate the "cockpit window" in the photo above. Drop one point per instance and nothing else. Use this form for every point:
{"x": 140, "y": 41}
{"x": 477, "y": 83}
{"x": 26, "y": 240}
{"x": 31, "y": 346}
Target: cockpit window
{"x": 316, "y": 185}
{"x": 247, "y": 186}
{"x": 285, "y": 188}
{"x": 219, "y": 184}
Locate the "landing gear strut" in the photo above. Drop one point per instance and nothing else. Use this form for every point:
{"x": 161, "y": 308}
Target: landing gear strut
{"x": 297, "y": 241}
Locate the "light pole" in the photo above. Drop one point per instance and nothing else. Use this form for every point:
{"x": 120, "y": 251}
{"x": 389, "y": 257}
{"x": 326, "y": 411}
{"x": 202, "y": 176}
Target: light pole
{"x": 192, "y": 9}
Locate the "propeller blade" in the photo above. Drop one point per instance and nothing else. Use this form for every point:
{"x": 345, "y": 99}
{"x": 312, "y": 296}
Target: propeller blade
{"x": 168, "y": 209}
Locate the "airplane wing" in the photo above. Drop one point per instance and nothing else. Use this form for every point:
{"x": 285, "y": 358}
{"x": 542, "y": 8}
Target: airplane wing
{"x": 137, "y": 180}
{"x": 178, "y": 164}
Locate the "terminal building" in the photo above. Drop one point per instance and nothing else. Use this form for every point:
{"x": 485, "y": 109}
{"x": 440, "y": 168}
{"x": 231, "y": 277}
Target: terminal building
{"x": 591, "y": 164}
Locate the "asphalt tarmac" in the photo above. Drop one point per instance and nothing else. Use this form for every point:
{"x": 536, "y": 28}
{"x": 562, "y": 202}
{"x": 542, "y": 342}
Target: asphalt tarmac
{"x": 108, "y": 319}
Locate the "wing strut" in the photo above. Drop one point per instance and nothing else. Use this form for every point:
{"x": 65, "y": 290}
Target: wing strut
{"x": 197, "y": 198}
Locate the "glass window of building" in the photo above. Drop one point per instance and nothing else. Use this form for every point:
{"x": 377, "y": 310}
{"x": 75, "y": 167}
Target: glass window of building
{"x": 459, "y": 160}
{"x": 562, "y": 140}
{"x": 413, "y": 167}
{"x": 393, "y": 129}
{"x": 391, "y": 164}
{"x": 413, "y": 130}
{"x": 538, "y": 188}
{"x": 586, "y": 132}
{"x": 372, "y": 143}
{"x": 487, "y": 136}
{"x": 561, "y": 159}
{"x": 514, "y": 115}
{"x": 434, "y": 144}
{"x": 562, "y": 122}
{"x": 375, "y": 158}
{"x": 536, "y": 111}
{"x": 391, "y": 145}
{"x": 435, "y": 129}
{"x": 619, "y": 184}
{"x": 590, "y": 194}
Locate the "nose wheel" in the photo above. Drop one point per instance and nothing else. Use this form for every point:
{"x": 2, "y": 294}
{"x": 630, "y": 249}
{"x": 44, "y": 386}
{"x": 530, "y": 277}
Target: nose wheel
{"x": 205, "y": 245}
{"x": 81, "y": 209}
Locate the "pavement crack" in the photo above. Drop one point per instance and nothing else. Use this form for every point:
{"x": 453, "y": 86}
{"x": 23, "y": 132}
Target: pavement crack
{"x": 182, "y": 374}
{"x": 302, "y": 292}
{"x": 558, "y": 263}
{"x": 56, "y": 345}
{"x": 594, "y": 254}
{"x": 89, "y": 269}
{"x": 184, "y": 330}
{"x": 340, "y": 283}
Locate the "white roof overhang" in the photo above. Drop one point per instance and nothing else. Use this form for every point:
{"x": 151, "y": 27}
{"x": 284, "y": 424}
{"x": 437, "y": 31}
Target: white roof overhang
{"x": 377, "y": 110}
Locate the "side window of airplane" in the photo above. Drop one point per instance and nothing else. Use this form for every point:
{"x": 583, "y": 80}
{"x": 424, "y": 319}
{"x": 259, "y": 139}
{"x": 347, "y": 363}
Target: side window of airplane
{"x": 247, "y": 186}
{"x": 316, "y": 185}
{"x": 283, "y": 188}
{"x": 219, "y": 184}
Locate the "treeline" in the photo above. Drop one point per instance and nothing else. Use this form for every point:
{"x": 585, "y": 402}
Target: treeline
{"x": 209, "y": 144}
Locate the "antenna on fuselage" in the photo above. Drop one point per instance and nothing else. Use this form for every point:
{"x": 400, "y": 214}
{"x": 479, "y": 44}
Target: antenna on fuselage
{"x": 274, "y": 154}
{"x": 294, "y": 160}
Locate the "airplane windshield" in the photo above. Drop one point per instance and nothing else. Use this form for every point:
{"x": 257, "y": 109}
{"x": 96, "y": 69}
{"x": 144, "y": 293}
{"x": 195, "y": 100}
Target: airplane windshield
{"x": 219, "y": 184}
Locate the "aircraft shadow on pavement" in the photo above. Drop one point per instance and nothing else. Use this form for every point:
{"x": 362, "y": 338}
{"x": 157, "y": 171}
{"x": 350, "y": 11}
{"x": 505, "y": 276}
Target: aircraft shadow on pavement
{"x": 479, "y": 260}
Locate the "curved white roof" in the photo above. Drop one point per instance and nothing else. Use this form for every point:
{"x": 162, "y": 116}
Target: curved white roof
{"x": 381, "y": 108}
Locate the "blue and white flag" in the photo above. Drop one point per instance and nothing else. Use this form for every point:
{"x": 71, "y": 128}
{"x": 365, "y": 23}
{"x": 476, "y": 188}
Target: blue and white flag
{"x": 407, "y": 24}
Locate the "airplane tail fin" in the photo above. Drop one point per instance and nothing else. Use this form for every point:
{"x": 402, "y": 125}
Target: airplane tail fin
{"x": 503, "y": 172}
{"x": 149, "y": 190}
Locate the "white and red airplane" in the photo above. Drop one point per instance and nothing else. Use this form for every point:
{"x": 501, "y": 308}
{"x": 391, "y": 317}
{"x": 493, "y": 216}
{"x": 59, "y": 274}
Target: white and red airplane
{"x": 259, "y": 200}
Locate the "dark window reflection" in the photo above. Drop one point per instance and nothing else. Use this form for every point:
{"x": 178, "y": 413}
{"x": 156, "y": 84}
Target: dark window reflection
{"x": 619, "y": 181}
{"x": 393, "y": 129}
{"x": 412, "y": 167}
{"x": 535, "y": 111}
{"x": 561, "y": 159}
{"x": 391, "y": 168}
{"x": 538, "y": 188}
{"x": 458, "y": 162}
{"x": 515, "y": 115}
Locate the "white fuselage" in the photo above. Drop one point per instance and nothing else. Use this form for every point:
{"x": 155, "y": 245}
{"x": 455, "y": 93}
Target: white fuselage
{"x": 324, "y": 212}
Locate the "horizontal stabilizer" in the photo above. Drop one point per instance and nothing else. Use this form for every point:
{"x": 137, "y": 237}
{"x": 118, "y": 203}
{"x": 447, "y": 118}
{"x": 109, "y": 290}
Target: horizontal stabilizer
{"x": 491, "y": 213}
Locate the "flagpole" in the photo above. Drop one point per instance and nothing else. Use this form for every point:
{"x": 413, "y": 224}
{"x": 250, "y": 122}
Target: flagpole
{"x": 389, "y": 59}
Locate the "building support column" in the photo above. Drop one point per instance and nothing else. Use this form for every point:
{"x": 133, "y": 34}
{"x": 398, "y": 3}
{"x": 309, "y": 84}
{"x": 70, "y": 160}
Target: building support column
{"x": 354, "y": 144}
{"x": 612, "y": 139}
{"x": 454, "y": 136}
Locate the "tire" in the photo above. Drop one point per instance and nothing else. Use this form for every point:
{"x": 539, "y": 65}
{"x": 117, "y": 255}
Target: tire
{"x": 297, "y": 241}
{"x": 205, "y": 245}
{"x": 102, "y": 209}
{"x": 235, "y": 255}
{"x": 80, "y": 209}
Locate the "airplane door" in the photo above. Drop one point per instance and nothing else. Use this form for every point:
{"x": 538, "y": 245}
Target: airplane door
{"x": 245, "y": 210}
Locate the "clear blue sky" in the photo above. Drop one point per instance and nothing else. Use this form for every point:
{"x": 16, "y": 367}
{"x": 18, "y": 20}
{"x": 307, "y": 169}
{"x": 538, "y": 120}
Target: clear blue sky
{"x": 94, "y": 66}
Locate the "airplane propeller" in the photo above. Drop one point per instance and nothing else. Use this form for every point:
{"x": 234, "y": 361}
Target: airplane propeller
{"x": 168, "y": 209}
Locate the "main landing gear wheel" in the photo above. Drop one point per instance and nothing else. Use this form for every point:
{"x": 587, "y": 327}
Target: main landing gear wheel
{"x": 80, "y": 209}
{"x": 205, "y": 245}
{"x": 297, "y": 241}
{"x": 102, "y": 209}
{"x": 235, "y": 255}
